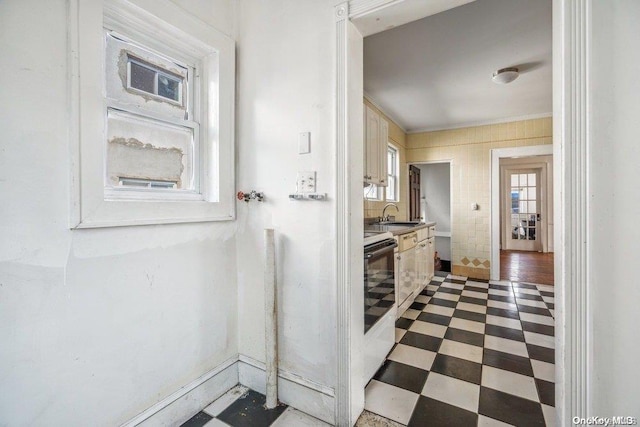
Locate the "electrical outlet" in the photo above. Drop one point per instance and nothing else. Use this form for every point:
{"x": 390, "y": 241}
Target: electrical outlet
{"x": 306, "y": 182}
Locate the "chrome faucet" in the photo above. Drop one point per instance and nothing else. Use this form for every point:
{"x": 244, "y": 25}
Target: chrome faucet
{"x": 385, "y": 209}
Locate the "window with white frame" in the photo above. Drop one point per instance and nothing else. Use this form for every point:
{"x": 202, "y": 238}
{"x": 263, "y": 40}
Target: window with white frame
{"x": 391, "y": 192}
{"x": 155, "y": 140}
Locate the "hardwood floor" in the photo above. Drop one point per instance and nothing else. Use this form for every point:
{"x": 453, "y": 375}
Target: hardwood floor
{"x": 523, "y": 266}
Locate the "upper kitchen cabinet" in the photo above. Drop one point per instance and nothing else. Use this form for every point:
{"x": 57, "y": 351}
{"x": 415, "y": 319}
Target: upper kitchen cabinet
{"x": 376, "y": 135}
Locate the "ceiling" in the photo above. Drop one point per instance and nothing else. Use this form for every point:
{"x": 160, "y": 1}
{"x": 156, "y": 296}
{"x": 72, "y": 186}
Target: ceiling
{"x": 435, "y": 73}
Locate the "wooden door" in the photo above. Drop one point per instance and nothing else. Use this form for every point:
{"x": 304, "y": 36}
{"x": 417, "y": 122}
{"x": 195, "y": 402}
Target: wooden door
{"x": 414, "y": 193}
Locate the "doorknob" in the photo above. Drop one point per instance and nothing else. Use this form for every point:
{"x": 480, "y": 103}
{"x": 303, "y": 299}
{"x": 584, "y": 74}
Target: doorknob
{"x": 538, "y": 217}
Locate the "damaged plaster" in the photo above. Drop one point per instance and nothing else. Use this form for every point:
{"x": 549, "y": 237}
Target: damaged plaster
{"x": 132, "y": 158}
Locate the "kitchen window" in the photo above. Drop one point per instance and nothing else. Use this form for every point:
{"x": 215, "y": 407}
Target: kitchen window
{"x": 154, "y": 141}
{"x": 372, "y": 192}
{"x": 392, "y": 174}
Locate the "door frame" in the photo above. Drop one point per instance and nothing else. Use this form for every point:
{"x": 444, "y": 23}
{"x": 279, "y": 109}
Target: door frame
{"x": 543, "y": 200}
{"x": 436, "y": 162}
{"x": 494, "y": 225}
{"x": 571, "y": 46}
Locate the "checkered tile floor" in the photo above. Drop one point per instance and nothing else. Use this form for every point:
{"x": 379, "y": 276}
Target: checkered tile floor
{"x": 470, "y": 353}
{"x": 242, "y": 407}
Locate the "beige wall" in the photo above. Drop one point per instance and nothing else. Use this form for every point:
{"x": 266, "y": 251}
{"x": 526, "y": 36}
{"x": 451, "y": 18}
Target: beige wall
{"x": 398, "y": 138}
{"x": 469, "y": 152}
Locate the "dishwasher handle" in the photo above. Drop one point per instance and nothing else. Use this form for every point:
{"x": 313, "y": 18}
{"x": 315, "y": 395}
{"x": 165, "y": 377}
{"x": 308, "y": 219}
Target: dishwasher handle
{"x": 391, "y": 247}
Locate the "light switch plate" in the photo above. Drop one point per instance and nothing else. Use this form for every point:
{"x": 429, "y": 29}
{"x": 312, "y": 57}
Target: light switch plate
{"x": 304, "y": 143}
{"x": 306, "y": 182}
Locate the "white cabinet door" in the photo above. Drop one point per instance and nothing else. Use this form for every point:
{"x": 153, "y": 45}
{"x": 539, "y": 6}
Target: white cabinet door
{"x": 383, "y": 140}
{"x": 431, "y": 251}
{"x": 371, "y": 147}
{"x": 422, "y": 263}
{"x": 406, "y": 276}
{"x": 376, "y": 137}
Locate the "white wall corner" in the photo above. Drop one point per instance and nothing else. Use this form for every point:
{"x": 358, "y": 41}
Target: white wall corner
{"x": 181, "y": 405}
{"x": 300, "y": 393}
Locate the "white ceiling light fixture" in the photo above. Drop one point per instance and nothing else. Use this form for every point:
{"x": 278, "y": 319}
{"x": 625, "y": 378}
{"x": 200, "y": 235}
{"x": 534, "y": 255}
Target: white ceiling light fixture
{"x": 505, "y": 75}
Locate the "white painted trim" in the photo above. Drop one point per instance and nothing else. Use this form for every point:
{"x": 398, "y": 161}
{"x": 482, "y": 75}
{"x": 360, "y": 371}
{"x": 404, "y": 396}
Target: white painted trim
{"x": 359, "y": 8}
{"x": 73, "y": 109}
{"x": 383, "y": 111}
{"x": 481, "y": 123}
{"x": 442, "y": 234}
{"x": 571, "y": 56}
{"x": 305, "y": 395}
{"x": 344, "y": 374}
{"x": 193, "y": 397}
{"x": 494, "y": 213}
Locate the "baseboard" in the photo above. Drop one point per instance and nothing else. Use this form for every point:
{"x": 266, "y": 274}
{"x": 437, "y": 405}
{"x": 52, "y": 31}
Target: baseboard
{"x": 302, "y": 394}
{"x": 190, "y": 399}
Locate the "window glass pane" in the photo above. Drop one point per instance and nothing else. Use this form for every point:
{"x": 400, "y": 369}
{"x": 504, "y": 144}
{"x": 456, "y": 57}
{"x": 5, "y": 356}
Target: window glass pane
{"x": 532, "y": 179}
{"x": 392, "y": 174}
{"x": 515, "y": 197}
{"x": 169, "y": 87}
{"x": 514, "y": 180}
{"x": 391, "y": 189}
{"x": 524, "y": 194}
{"x": 523, "y": 207}
{"x": 523, "y": 180}
{"x": 532, "y": 207}
{"x": 142, "y": 78}
{"x": 144, "y": 149}
{"x": 532, "y": 193}
{"x": 371, "y": 192}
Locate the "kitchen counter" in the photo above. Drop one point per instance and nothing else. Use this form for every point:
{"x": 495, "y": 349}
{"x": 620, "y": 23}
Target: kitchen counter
{"x": 397, "y": 229}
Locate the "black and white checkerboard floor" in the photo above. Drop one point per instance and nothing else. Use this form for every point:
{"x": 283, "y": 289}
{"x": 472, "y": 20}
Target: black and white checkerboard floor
{"x": 242, "y": 407}
{"x": 467, "y": 353}
{"x": 470, "y": 353}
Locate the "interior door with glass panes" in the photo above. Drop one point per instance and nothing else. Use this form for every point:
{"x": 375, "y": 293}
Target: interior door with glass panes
{"x": 522, "y": 210}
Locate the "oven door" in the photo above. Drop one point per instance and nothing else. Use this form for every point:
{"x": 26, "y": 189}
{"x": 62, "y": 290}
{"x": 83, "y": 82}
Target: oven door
{"x": 379, "y": 287}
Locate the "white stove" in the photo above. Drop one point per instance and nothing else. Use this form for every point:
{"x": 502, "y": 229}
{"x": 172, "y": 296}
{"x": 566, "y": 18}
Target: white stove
{"x": 379, "y": 299}
{"x": 371, "y": 237}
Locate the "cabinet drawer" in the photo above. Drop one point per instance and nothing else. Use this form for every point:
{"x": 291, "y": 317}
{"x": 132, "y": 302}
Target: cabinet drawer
{"x": 407, "y": 241}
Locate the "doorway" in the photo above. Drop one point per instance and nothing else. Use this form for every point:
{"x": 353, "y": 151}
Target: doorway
{"x": 570, "y": 145}
{"x": 526, "y": 218}
{"x": 414, "y": 193}
{"x": 432, "y": 202}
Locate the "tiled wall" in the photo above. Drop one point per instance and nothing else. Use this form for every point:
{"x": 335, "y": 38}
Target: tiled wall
{"x": 469, "y": 152}
{"x": 398, "y": 138}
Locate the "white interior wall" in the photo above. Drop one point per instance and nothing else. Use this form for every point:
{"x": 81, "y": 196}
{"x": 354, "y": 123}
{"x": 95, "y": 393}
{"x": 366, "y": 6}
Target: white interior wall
{"x": 435, "y": 200}
{"x": 614, "y": 207}
{"x": 96, "y": 324}
{"x": 285, "y": 86}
